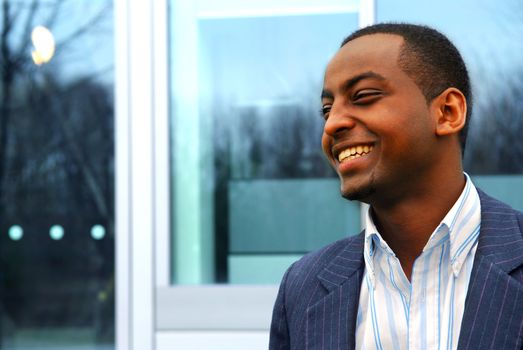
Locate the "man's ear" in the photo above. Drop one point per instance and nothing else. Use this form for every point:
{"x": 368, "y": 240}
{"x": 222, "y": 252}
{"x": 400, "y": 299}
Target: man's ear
{"x": 451, "y": 112}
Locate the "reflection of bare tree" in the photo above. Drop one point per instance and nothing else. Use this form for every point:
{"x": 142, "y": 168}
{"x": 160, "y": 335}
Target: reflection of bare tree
{"x": 18, "y": 20}
{"x": 8, "y": 68}
{"x": 277, "y": 140}
{"x": 495, "y": 145}
{"x": 71, "y": 108}
{"x": 73, "y": 131}
{"x": 56, "y": 167}
{"x": 59, "y": 140}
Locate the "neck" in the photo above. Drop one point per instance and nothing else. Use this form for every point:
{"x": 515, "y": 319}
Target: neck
{"x": 407, "y": 224}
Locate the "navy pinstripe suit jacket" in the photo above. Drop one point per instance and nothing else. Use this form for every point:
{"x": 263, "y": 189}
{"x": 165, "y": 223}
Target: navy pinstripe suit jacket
{"x": 318, "y": 299}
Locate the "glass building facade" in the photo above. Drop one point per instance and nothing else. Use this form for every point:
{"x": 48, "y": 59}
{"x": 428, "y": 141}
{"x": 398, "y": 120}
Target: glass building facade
{"x": 160, "y": 162}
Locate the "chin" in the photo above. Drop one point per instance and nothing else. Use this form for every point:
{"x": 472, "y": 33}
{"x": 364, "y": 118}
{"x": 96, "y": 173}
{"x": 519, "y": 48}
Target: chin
{"x": 361, "y": 195}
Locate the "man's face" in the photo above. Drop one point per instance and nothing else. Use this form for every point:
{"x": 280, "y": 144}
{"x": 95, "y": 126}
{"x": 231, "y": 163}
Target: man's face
{"x": 379, "y": 134}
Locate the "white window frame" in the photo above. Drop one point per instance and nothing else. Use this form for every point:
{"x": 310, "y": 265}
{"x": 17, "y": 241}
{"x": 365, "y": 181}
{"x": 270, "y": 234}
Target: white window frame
{"x": 136, "y": 118}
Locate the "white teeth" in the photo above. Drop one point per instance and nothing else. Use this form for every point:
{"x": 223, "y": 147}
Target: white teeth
{"x": 354, "y": 152}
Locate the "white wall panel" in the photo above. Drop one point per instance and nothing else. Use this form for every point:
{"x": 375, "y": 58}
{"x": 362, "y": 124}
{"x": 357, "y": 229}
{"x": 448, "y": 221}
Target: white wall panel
{"x": 212, "y": 340}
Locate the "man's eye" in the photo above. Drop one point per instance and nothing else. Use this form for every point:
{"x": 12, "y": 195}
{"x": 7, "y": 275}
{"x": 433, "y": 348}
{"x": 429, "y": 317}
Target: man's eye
{"x": 366, "y": 96}
{"x": 324, "y": 112}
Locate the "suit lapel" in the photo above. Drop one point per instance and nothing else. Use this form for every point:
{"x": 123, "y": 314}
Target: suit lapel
{"x": 331, "y": 322}
{"x": 493, "y": 312}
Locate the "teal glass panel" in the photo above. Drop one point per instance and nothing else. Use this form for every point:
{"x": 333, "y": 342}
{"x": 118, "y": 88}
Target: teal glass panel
{"x": 507, "y": 188}
{"x": 288, "y": 216}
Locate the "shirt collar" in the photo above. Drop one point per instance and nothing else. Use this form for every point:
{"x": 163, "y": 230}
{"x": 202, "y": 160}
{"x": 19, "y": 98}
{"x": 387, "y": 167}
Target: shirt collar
{"x": 460, "y": 226}
{"x": 463, "y": 222}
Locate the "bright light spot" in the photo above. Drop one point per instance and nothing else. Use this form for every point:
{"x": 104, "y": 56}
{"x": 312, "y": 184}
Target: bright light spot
{"x": 56, "y": 232}
{"x": 16, "y": 233}
{"x": 98, "y": 232}
{"x": 44, "y": 45}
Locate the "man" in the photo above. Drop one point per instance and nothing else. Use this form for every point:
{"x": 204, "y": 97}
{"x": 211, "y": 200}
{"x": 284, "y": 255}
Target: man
{"x": 439, "y": 264}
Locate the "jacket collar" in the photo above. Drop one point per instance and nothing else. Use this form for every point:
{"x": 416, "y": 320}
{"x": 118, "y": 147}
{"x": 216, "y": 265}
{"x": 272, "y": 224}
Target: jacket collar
{"x": 344, "y": 265}
{"x": 331, "y": 320}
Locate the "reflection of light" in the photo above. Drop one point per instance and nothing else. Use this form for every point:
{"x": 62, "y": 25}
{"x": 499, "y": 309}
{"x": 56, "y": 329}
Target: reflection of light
{"x": 16, "y": 233}
{"x": 56, "y": 232}
{"x": 97, "y": 232}
{"x": 44, "y": 45}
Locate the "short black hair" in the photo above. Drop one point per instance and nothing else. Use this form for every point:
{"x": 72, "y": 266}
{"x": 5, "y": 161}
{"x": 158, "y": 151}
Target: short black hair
{"x": 430, "y": 59}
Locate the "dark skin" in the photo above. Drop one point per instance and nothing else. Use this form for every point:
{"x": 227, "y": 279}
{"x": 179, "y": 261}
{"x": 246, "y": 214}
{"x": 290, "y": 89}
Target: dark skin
{"x": 412, "y": 174}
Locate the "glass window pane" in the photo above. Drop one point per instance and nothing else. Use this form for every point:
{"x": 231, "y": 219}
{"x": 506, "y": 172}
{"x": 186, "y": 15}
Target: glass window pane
{"x": 252, "y": 191}
{"x": 56, "y": 175}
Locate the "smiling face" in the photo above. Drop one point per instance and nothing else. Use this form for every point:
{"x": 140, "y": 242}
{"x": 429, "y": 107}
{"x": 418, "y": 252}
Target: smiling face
{"x": 379, "y": 132}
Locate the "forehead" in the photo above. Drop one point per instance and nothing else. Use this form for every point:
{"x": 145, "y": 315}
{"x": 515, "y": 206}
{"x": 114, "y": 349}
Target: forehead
{"x": 375, "y": 52}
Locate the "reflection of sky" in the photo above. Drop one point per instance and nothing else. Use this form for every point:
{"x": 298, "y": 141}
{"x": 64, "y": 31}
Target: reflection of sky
{"x": 91, "y": 52}
{"x": 86, "y": 29}
{"x": 269, "y": 58}
{"x": 482, "y": 29}
{"x": 273, "y": 57}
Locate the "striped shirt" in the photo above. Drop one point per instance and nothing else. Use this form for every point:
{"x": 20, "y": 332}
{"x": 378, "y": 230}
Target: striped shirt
{"x": 426, "y": 312}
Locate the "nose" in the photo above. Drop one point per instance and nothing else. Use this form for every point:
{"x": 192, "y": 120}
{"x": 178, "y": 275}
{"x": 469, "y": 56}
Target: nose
{"x": 340, "y": 119}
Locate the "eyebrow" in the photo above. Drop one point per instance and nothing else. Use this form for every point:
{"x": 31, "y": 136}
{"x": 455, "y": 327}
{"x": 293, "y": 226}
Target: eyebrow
{"x": 351, "y": 82}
